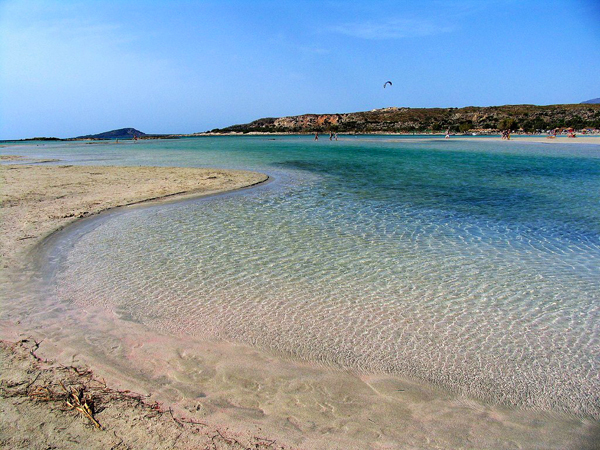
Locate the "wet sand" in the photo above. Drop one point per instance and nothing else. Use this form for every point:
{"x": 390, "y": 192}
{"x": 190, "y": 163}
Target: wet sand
{"x": 43, "y": 405}
{"x": 216, "y": 392}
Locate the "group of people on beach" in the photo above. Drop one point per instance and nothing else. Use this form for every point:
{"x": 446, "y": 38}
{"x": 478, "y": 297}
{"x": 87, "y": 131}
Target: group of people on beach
{"x": 505, "y": 134}
{"x": 570, "y": 133}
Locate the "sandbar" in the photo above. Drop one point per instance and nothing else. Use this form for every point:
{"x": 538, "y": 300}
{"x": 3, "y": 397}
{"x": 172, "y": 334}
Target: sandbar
{"x": 37, "y": 200}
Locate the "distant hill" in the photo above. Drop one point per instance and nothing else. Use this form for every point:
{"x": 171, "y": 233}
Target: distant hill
{"x": 528, "y": 118}
{"x": 592, "y": 101}
{"x": 121, "y": 133}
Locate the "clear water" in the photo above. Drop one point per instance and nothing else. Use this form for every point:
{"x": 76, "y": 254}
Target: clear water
{"x": 471, "y": 265}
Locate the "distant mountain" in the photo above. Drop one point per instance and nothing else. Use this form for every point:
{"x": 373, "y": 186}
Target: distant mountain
{"x": 121, "y": 133}
{"x": 593, "y": 101}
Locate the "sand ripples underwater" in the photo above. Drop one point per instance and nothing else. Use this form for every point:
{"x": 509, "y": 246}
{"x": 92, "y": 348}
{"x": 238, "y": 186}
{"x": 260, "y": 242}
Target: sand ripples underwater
{"x": 471, "y": 265}
{"x": 497, "y": 297}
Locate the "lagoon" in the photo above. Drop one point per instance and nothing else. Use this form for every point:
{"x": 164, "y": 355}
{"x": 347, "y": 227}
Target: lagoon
{"x": 472, "y": 266}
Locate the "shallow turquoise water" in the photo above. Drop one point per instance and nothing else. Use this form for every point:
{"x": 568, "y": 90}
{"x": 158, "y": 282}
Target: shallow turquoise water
{"x": 472, "y": 265}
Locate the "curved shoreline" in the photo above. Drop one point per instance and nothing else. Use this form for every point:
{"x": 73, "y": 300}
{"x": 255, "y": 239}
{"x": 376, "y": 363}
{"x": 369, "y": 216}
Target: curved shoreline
{"x": 33, "y": 215}
{"x": 78, "y": 226}
{"x": 36, "y": 201}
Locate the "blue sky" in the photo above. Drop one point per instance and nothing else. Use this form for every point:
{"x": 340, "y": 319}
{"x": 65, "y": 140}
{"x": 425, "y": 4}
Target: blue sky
{"x": 69, "y": 68}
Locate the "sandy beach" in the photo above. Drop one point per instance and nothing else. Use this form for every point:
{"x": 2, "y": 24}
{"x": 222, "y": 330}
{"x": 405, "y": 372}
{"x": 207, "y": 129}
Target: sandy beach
{"x": 190, "y": 394}
{"x": 279, "y": 226}
{"x": 38, "y": 404}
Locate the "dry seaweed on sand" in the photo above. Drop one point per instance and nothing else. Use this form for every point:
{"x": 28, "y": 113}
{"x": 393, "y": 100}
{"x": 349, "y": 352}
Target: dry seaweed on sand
{"x": 43, "y": 396}
{"x": 81, "y": 401}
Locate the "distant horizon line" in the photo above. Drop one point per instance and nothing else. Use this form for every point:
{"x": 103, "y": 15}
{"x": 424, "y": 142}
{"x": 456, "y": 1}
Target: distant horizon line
{"x": 83, "y": 136}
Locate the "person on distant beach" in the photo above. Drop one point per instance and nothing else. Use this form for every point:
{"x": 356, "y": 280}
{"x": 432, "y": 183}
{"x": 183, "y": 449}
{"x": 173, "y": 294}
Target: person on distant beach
{"x": 447, "y": 134}
{"x": 331, "y": 135}
{"x": 335, "y": 136}
{"x": 316, "y": 136}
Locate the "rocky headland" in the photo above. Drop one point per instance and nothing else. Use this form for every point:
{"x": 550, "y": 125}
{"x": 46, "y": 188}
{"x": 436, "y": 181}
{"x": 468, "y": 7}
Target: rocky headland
{"x": 527, "y": 118}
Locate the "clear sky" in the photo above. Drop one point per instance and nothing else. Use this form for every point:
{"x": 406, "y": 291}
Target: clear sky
{"x": 69, "y": 68}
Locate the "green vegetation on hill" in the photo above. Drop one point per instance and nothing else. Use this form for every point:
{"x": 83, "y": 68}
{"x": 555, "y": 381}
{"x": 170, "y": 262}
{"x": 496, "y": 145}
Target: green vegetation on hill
{"x": 527, "y": 118}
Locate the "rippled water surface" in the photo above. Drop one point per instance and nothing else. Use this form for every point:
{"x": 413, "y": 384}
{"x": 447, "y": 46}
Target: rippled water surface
{"x": 473, "y": 265}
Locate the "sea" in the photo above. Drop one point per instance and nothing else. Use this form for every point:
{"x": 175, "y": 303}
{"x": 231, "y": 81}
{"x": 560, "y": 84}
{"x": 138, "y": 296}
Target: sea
{"x": 469, "y": 264}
